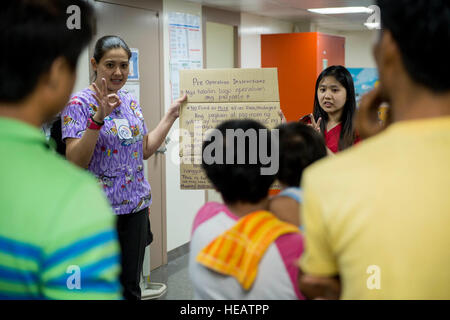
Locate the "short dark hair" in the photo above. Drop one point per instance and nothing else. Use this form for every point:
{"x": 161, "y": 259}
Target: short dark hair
{"x": 106, "y": 43}
{"x": 421, "y": 28}
{"x": 34, "y": 34}
{"x": 343, "y": 76}
{"x": 300, "y": 146}
{"x": 239, "y": 182}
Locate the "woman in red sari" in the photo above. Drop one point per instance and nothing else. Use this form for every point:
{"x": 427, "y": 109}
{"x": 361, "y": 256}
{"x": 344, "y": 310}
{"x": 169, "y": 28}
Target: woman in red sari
{"x": 334, "y": 108}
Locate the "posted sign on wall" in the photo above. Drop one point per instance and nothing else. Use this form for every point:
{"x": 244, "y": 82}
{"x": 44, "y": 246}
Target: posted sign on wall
{"x": 216, "y": 95}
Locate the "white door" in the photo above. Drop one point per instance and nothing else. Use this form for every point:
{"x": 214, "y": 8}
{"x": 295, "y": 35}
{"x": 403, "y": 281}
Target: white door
{"x": 140, "y": 29}
{"x": 220, "y": 53}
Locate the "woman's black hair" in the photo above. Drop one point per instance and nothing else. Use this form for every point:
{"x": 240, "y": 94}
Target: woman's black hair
{"x": 344, "y": 77}
{"x": 106, "y": 43}
{"x": 300, "y": 146}
{"x": 56, "y": 135}
{"x": 239, "y": 182}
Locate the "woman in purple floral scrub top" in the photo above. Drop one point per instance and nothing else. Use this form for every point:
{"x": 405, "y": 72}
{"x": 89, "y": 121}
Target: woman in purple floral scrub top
{"x": 105, "y": 132}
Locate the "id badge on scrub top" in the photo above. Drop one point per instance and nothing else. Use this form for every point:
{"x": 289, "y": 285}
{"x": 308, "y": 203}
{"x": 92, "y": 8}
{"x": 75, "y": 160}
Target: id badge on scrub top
{"x": 123, "y": 129}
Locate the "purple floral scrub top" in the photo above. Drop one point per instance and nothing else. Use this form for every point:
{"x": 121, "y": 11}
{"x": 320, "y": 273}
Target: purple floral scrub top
{"x": 117, "y": 161}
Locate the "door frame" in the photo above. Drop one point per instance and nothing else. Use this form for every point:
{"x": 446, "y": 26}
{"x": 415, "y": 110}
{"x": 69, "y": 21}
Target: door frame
{"x": 231, "y": 18}
{"x": 157, "y": 7}
{"x": 226, "y": 17}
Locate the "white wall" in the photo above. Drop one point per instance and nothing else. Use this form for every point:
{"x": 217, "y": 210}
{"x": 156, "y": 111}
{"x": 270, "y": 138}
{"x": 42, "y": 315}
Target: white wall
{"x": 358, "y": 47}
{"x": 219, "y": 45}
{"x": 219, "y": 54}
{"x": 82, "y": 71}
{"x": 252, "y": 27}
{"x": 182, "y": 205}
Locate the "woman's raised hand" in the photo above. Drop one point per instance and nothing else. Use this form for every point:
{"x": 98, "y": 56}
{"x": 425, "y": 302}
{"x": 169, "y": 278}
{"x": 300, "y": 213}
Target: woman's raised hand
{"x": 315, "y": 125}
{"x": 282, "y": 117}
{"x": 174, "y": 110}
{"x": 106, "y": 102}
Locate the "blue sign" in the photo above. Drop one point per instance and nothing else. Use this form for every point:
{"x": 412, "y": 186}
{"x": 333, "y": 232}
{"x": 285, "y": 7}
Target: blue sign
{"x": 364, "y": 80}
{"x": 134, "y": 65}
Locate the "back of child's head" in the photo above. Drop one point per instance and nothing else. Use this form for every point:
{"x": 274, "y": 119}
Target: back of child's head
{"x": 33, "y": 34}
{"x": 419, "y": 29}
{"x": 231, "y": 158}
{"x": 300, "y": 146}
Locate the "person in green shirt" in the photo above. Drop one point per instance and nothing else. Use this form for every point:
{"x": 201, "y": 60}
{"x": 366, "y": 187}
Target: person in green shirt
{"x": 57, "y": 231}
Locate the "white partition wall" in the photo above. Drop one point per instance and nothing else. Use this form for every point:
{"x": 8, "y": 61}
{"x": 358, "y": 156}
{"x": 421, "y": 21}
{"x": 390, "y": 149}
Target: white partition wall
{"x": 182, "y": 205}
{"x": 252, "y": 27}
{"x": 82, "y": 71}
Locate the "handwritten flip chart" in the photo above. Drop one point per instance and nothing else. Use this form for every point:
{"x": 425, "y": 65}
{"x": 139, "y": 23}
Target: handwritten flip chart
{"x": 216, "y": 95}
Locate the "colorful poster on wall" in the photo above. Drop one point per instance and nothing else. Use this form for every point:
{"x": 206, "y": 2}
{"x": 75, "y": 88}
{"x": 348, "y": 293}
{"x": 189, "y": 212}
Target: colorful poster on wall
{"x": 134, "y": 65}
{"x": 364, "y": 80}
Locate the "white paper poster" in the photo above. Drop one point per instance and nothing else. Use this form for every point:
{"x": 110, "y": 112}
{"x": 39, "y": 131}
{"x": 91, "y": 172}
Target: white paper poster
{"x": 185, "y": 41}
{"x": 134, "y": 89}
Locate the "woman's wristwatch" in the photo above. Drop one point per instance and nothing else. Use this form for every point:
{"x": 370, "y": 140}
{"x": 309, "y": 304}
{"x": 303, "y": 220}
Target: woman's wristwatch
{"x": 94, "y": 125}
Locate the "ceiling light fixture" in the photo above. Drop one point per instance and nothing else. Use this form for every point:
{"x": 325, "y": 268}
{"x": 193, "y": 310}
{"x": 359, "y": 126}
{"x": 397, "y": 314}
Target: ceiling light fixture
{"x": 372, "y": 25}
{"x": 341, "y": 10}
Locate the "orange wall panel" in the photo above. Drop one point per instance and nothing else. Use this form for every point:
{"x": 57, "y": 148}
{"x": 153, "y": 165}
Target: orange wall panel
{"x": 331, "y": 48}
{"x": 296, "y": 55}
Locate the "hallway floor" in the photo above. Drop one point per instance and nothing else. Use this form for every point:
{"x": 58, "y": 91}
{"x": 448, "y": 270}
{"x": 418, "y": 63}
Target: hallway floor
{"x": 176, "y": 277}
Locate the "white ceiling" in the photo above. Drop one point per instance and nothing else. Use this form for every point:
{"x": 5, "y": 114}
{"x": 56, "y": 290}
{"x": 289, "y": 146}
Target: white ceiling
{"x": 296, "y": 11}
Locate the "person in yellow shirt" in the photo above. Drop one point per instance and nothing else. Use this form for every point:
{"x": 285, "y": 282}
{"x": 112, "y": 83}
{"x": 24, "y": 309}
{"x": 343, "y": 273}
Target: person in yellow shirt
{"x": 376, "y": 217}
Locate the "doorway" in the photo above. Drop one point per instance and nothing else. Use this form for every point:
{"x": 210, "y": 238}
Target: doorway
{"x": 221, "y": 51}
{"x": 139, "y": 27}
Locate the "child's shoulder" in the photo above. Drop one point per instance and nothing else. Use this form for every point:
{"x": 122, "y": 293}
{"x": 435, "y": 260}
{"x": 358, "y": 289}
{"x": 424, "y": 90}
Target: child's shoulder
{"x": 290, "y": 244}
{"x": 208, "y": 211}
